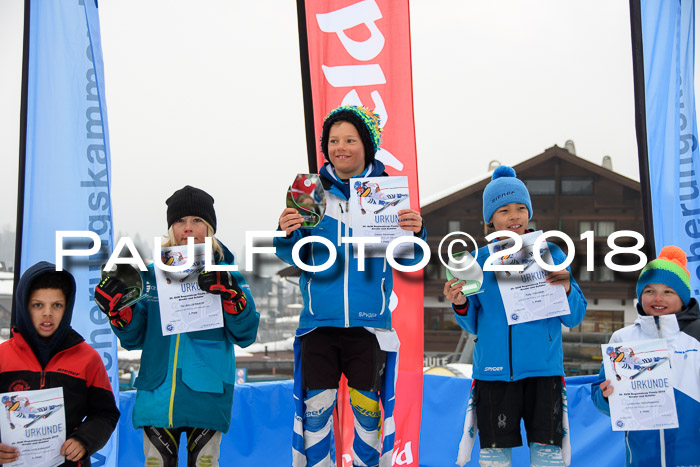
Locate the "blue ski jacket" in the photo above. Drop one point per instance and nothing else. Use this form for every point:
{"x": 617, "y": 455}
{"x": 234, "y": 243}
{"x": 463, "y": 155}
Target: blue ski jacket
{"x": 200, "y": 395}
{"x": 504, "y": 352}
{"x": 342, "y": 296}
{"x": 679, "y": 446}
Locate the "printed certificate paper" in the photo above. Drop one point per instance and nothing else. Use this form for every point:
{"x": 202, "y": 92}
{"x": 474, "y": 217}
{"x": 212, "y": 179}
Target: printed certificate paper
{"x": 184, "y": 307}
{"x": 374, "y": 204}
{"x": 640, "y": 373}
{"x": 35, "y": 423}
{"x": 526, "y": 295}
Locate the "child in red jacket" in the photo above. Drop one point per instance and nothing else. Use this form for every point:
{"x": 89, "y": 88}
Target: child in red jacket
{"x": 45, "y": 352}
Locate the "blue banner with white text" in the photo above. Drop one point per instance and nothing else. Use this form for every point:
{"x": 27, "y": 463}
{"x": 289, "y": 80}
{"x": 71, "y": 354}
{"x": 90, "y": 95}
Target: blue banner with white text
{"x": 668, "y": 37}
{"x": 67, "y": 162}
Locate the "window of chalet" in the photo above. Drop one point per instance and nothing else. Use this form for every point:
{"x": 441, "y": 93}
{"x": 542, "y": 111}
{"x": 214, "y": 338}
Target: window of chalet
{"x": 576, "y": 186}
{"x": 540, "y": 186}
{"x": 599, "y": 274}
{"x": 600, "y": 228}
{"x": 435, "y": 271}
{"x": 583, "y": 274}
{"x": 453, "y": 226}
{"x": 605, "y": 321}
{"x": 604, "y": 274}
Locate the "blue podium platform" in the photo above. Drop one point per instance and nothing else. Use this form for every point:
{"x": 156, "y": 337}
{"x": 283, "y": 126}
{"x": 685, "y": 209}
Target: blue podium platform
{"x": 261, "y": 427}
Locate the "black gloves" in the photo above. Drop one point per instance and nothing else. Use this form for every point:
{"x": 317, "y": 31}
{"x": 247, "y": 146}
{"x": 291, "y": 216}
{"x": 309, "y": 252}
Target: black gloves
{"x": 222, "y": 283}
{"x": 108, "y": 295}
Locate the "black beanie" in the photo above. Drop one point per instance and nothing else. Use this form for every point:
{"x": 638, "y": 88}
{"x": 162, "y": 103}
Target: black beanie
{"x": 364, "y": 120}
{"x": 191, "y": 201}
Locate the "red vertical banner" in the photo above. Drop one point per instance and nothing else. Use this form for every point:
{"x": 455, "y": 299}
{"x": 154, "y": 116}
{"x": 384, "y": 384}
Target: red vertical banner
{"x": 359, "y": 53}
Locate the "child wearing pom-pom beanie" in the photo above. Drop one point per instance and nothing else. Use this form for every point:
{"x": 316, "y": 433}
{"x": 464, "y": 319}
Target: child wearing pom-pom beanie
{"x": 518, "y": 369}
{"x": 666, "y": 310}
{"x": 344, "y": 326}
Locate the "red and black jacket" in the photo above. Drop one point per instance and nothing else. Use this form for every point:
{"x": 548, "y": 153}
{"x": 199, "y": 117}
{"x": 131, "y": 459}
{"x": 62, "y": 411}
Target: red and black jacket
{"x": 78, "y": 369}
{"x": 28, "y": 362}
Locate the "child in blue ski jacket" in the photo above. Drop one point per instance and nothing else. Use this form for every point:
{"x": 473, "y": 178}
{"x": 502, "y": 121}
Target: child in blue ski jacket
{"x": 345, "y": 325}
{"x": 666, "y": 310}
{"x": 518, "y": 368}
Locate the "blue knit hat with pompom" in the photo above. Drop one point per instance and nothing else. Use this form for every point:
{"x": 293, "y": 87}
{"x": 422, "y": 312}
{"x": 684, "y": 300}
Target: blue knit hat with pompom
{"x": 504, "y": 188}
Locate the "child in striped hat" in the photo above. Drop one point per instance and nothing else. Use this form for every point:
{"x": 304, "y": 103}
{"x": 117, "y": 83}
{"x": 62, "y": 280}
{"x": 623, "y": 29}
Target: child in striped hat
{"x": 666, "y": 310}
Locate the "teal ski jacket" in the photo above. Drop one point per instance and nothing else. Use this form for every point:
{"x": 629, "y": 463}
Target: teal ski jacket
{"x": 186, "y": 380}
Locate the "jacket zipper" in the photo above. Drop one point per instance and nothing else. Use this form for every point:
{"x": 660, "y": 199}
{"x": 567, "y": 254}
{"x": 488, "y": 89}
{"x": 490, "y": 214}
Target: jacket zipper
{"x": 662, "y": 436}
{"x": 340, "y": 222}
{"x": 662, "y": 447}
{"x": 383, "y": 291}
{"x": 42, "y": 379}
{"x": 510, "y": 350}
{"x": 308, "y": 291}
{"x": 659, "y": 334}
{"x": 383, "y": 298}
{"x": 172, "y": 389}
{"x": 628, "y": 448}
{"x": 347, "y": 267}
{"x": 42, "y": 382}
{"x": 308, "y": 284}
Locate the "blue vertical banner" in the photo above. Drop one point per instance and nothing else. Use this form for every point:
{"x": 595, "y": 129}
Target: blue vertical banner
{"x": 668, "y": 41}
{"x": 67, "y": 161}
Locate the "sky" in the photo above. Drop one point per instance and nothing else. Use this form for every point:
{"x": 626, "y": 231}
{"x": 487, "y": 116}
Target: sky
{"x": 209, "y": 94}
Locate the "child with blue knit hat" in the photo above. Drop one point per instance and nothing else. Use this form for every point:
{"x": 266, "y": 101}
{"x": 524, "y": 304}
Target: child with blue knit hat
{"x": 666, "y": 310}
{"x": 505, "y": 189}
{"x": 517, "y": 369}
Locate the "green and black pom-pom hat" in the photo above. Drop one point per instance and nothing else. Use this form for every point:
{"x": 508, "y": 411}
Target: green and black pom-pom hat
{"x": 364, "y": 120}
{"x": 668, "y": 269}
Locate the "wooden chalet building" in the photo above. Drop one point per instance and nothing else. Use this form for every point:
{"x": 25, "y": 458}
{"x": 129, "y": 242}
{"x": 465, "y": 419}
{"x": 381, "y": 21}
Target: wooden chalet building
{"x": 568, "y": 194}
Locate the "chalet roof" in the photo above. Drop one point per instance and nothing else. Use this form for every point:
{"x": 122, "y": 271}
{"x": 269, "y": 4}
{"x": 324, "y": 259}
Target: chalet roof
{"x": 477, "y": 184}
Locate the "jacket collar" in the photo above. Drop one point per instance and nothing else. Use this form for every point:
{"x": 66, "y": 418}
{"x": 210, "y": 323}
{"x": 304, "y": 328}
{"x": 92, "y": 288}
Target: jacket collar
{"x": 689, "y": 313}
{"x": 664, "y": 326}
{"x": 71, "y": 340}
{"x": 332, "y": 183}
{"x": 228, "y": 256}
